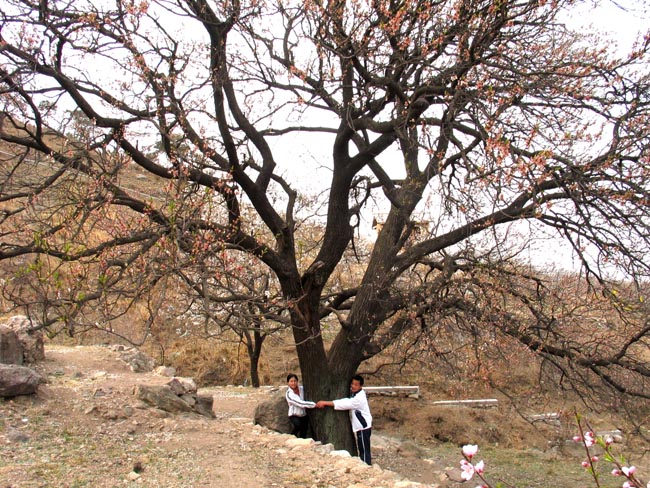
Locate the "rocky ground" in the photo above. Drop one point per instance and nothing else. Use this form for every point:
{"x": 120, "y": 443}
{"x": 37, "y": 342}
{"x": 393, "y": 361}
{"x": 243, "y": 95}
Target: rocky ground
{"x": 85, "y": 428}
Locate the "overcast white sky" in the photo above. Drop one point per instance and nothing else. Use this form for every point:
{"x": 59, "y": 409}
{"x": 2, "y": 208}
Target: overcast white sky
{"x": 622, "y": 20}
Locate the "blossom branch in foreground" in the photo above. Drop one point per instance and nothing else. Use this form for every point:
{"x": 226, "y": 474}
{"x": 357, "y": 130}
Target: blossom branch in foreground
{"x": 589, "y": 440}
{"x": 469, "y": 469}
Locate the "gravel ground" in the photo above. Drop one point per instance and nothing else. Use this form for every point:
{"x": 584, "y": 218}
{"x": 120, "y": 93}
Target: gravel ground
{"x": 85, "y": 428}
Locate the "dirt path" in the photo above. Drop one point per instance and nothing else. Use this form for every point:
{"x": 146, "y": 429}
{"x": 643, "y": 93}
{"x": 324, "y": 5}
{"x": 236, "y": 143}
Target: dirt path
{"x": 85, "y": 428}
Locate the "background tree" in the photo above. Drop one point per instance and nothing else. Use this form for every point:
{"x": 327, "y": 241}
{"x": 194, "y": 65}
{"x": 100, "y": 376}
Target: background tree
{"x": 484, "y": 118}
{"x": 232, "y": 292}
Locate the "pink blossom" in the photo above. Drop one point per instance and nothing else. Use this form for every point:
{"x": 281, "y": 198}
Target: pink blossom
{"x": 480, "y": 467}
{"x": 609, "y": 440}
{"x": 577, "y": 438}
{"x": 627, "y": 484}
{"x": 585, "y": 464}
{"x": 616, "y": 472}
{"x": 470, "y": 450}
{"x": 628, "y": 471}
{"x": 467, "y": 470}
{"x": 590, "y": 439}
{"x": 594, "y": 459}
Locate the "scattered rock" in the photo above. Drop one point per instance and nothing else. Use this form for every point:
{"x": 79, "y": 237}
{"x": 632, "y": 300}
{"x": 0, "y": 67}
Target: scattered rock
{"x": 132, "y": 476}
{"x": 273, "y": 413}
{"x": 138, "y": 361}
{"x": 297, "y": 442}
{"x": 15, "y": 435}
{"x": 204, "y": 405}
{"x": 162, "y": 397}
{"x": 165, "y": 398}
{"x": 18, "y": 380}
{"x": 30, "y": 339}
{"x": 165, "y": 371}
{"x": 11, "y": 350}
{"x": 324, "y": 448}
{"x": 158, "y": 413}
{"x": 182, "y": 386}
{"x": 99, "y": 392}
{"x": 340, "y": 453}
{"x": 113, "y": 414}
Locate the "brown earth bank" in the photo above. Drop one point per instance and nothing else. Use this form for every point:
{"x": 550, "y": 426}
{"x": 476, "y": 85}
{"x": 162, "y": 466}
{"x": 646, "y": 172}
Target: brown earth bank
{"x": 85, "y": 428}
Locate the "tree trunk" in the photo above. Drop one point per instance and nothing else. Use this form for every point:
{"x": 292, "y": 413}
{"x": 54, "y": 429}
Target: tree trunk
{"x": 321, "y": 383}
{"x": 254, "y": 370}
{"x": 333, "y": 426}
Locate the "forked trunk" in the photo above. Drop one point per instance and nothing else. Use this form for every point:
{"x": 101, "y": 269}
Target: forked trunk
{"x": 254, "y": 350}
{"x": 322, "y": 383}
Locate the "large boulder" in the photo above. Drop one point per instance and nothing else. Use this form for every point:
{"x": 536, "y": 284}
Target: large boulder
{"x": 273, "y": 413}
{"x": 162, "y": 397}
{"x": 18, "y": 380}
{"x": 30, "y": 338}
{"x": 165, "y": 398}
{"x": 11, "y": 350}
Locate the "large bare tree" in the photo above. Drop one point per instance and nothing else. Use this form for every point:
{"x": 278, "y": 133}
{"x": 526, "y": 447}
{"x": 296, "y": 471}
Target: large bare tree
{"x": 471, "y": 123}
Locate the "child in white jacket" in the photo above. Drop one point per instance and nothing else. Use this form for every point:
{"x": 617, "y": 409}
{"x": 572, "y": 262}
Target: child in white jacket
{"x": 360, "y": 416}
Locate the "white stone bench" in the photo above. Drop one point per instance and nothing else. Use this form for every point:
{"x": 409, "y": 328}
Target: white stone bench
{"x": 410, "y": 391}
{"x": 481, "y": 403}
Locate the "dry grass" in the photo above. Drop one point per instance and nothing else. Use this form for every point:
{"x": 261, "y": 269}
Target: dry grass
{"x": 210, "y": 361}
